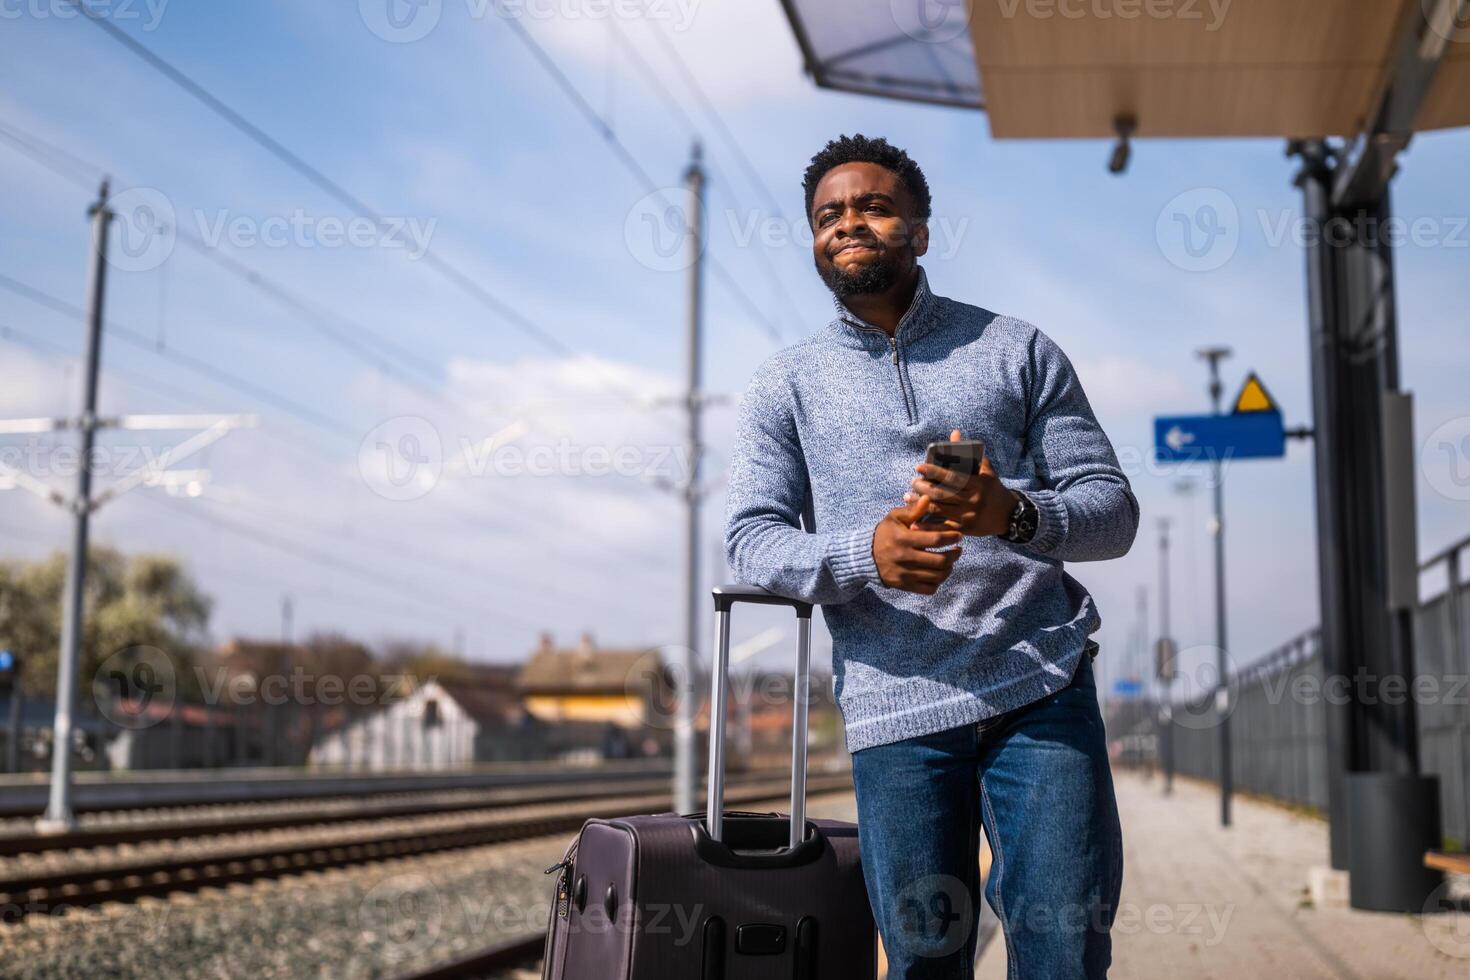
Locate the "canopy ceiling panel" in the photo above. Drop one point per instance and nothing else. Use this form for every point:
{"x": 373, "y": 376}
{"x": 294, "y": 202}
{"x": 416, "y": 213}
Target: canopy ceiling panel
{"x": 1448, "y": 103}
{"x": 1257, "y": 68}
{"x": 1263, "y": 68}
{"x": 1179, "y": 68}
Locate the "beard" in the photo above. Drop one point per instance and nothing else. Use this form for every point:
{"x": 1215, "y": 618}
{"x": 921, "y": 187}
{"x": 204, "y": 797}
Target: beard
{"x": 877, "y": 277}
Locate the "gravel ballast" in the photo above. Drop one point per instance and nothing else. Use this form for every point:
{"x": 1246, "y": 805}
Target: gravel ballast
{"x": 378, "y": 920}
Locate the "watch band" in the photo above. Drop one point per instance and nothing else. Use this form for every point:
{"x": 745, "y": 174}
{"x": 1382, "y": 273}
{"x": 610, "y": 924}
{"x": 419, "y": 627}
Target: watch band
{"x": 1024, "y": 520}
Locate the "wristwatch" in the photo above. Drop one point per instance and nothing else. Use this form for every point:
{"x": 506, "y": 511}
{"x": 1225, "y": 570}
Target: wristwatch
{"x": 1024, "y": 521}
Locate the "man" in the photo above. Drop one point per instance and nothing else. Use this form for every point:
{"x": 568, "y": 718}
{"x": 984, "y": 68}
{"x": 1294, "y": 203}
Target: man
{"x": 964, "y": 674}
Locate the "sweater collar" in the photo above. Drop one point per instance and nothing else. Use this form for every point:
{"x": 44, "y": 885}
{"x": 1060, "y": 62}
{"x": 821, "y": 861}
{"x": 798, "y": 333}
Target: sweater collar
{"x": 922, "y": 316}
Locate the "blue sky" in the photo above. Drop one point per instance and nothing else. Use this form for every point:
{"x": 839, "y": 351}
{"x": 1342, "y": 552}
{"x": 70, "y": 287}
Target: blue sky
{"x": 462, "y": 135}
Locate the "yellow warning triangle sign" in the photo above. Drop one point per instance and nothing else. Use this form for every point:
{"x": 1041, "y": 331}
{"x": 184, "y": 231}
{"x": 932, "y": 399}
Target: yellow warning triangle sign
{"x": 1254, "y": 397}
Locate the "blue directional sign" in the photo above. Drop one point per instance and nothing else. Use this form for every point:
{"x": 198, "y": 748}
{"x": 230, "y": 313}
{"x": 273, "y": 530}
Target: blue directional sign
{"x": 1206, "y": 438}
{"x": 1254, "y": 430}
{"x": 1127, "y": 687}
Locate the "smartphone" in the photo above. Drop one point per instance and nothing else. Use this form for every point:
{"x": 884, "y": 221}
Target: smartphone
{"x": 961, "y": 457}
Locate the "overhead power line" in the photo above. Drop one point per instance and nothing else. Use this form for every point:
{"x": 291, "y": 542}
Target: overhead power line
{"x": 458, "y": 569}
{"x": 326, "y": 184}
{"x": 71, "y": 167}
{"x": 315, "y": 176}
{"x": 184, "y": 397}
{"x": 21, "y": 338}
{"x": 59, "y": 162}
{"x": 197, "y": 365}
{"x": 725, "y": 186}
{"x": 353, "y": 534}
{"x": 276, "y": 586}
{"x": 296, "y": 549}
{"x": 708, "y": 104}
{"x": 630, "y": 162}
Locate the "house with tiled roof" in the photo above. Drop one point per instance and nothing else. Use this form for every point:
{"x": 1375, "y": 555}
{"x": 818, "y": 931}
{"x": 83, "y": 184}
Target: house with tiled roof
{"x": 629, "y": 688}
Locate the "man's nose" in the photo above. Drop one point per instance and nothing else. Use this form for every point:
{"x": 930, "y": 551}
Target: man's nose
{"x": 852, "y": 222}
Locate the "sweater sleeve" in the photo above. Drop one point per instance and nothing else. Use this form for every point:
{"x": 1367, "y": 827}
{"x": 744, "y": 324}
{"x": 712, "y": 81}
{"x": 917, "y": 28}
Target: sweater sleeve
{"x": 1086, "y": 509}
{"x": 769, "y": 492}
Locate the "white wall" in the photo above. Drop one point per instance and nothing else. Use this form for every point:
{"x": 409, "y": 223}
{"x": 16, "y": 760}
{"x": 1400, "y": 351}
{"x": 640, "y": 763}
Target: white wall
{"x": 394, "y": 736}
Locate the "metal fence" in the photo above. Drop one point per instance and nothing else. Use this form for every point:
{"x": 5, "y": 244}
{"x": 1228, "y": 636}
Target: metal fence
{"x": 1444, "y": 721}
{"x": 1277, "y": 738}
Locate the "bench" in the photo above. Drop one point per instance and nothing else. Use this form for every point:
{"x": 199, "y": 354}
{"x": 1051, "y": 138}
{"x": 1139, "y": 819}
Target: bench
{"x": 1457, "y": 862}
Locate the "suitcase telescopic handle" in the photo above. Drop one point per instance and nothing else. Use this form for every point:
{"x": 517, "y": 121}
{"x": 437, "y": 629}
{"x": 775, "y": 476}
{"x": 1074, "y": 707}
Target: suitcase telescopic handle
{"x": 726, "y": 596}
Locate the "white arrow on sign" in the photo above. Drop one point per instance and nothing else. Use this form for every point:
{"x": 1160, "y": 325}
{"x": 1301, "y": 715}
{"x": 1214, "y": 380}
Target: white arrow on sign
{"x": 1177, "y": 438}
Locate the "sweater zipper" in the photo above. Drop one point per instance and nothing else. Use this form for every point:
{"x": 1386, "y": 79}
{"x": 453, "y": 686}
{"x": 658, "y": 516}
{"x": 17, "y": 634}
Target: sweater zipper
{"x": 903, "y": 388}
{"x": 909, "y": 408}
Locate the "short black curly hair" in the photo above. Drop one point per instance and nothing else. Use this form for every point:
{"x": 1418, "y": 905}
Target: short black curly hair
{"x": 861, "y": 149}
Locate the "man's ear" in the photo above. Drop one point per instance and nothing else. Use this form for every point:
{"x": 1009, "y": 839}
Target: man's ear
{"x": 921, "y": 238}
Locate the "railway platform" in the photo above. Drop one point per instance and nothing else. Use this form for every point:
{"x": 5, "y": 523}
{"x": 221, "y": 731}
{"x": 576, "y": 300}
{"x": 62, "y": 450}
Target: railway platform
{"x": 1204, "y": 902}
{"x": 1198, "y": 901}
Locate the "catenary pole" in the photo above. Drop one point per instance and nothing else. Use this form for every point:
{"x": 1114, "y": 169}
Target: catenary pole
{"x": 1214, "y": 355}
{"x": 685, "y": 777}
{"x": 58, "y": 817}
{"x": 1163, "y": 671}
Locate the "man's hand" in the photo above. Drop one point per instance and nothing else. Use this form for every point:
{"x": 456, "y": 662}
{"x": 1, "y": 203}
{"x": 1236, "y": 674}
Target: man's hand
{"x": 977, "y": 504}
{"x": 898, "y": 549}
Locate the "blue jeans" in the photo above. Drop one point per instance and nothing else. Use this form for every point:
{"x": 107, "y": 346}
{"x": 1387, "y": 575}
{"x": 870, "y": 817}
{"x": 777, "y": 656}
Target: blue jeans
{"x": 1038, "y": 779}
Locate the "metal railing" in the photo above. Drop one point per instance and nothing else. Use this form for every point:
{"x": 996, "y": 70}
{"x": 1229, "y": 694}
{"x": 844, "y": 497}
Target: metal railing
{"x": 1277, "y": 728}
{"x": 1444, "y": 722}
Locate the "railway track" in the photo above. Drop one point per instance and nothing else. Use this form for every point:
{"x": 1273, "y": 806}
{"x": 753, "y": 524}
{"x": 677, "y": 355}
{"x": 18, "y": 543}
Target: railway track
{"x": 346, "y": 810}
{"x": 150, "y": 791}
{"x": 129, "y": 879}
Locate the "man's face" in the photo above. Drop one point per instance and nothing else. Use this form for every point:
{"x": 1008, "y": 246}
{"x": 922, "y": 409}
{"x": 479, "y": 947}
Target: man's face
{"x": 866, "y": 237}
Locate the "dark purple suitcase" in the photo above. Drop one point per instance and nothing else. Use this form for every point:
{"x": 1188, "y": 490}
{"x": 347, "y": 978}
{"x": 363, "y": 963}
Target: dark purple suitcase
{"x": 671, "y": 897}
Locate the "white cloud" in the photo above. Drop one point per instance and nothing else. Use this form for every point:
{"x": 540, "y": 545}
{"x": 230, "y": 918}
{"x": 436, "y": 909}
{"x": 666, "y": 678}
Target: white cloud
{"x": 763, "y": 67}
{"x": 33, "y": 386}
{"x": 1121, "y": 386}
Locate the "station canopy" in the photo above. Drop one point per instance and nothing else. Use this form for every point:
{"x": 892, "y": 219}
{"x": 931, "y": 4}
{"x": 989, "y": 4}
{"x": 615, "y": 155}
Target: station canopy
{"x": 1179, "y": 68}
{"x": 916, "y": 50}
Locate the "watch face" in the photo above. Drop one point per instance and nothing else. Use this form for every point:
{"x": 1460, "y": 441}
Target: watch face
{"x": 1023, "y": 521}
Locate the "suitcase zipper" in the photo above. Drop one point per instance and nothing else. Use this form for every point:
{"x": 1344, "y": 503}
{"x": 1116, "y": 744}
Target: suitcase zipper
{"x": 564, "y": 866}
{"x": 562, "y": 896}
{"x": 549, "y": 950}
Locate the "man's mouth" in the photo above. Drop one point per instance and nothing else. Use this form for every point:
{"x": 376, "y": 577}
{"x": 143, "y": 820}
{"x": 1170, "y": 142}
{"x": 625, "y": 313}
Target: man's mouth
{"x": 856, "y": 246}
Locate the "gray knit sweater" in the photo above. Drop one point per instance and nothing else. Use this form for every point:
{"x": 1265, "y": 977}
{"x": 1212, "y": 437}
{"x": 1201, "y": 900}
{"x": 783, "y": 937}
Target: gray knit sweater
{"x": 829, "y": 431}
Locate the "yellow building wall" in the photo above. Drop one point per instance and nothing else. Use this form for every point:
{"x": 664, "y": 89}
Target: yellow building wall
{"x": 620, "y": 709}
